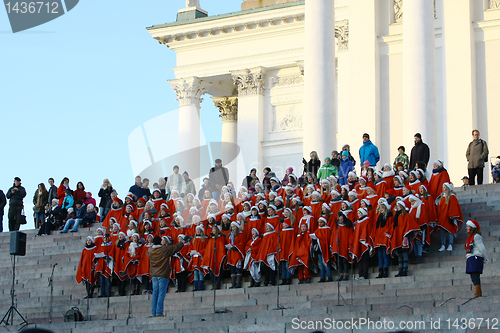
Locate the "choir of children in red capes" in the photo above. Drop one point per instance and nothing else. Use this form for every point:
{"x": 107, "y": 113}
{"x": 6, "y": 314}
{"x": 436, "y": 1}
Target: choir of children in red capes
{"x": 321, "y": 227}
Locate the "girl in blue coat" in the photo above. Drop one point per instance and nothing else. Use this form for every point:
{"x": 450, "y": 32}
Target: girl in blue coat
{"x": 346, "y": 166}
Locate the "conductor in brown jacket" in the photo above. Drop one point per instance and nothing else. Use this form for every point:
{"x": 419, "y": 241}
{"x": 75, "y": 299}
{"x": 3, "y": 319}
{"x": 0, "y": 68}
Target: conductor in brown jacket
{"x": 159, "y": 269}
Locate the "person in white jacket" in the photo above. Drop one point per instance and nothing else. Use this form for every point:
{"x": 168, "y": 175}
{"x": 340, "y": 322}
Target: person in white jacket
{"x": 476, "y": 255}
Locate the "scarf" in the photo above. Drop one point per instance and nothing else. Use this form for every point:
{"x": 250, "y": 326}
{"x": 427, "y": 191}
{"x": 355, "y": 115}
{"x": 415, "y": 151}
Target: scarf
{"x": 396, "y": 217}
{"x": 469, "y": 243}
{"x": 388, "y": 174}
{"x": 382, "y": 220}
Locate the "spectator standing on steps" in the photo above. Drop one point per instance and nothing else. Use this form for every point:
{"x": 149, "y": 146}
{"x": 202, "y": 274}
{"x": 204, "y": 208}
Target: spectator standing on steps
{"x": 3, "y": 202}
{"x": 420, "y": 152}
{"x": 218, "y": 177}
{"x": 476, "y": 154}
{"x": 368, "y": 151}
{"x": 15, "y": 195}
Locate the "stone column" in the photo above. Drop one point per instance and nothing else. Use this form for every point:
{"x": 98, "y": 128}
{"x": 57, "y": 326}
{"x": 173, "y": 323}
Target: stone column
{"x": 320, "y": 118}
{"x": 419, "y": 74}
{"x": 250, "y": 83}
{"x": 228, "y": 108}
{"x": 189, "y": 91}
{"x": 459, "y": 72}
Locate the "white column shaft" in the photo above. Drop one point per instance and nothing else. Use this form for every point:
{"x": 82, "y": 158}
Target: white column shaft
{"x": 319, "y": 121}
{"x": 419, "y": 78}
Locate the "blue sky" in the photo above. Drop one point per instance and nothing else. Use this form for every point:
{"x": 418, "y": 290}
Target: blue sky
{"x": 72, "y": 90}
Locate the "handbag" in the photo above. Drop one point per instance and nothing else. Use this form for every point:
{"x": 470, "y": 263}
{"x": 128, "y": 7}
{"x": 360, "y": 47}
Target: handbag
{"x": 22, "y": 218}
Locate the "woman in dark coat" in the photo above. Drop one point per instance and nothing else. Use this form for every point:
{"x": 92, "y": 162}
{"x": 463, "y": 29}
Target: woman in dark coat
{"x": 313, "y": 165}
{"x": 105, "y": 195}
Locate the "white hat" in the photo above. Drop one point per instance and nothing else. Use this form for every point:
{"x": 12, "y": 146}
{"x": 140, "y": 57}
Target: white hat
{"x": 345, "y": 187}
{"x": 103, "y": 230}
{"x": 263, "y": 202}
{"x": 213, "y": 202}
{"x": 254, "y": 207}
{"x": 322, "y": 219}
{"x": 387, "y": 165}
{"x": 354, "y": 194}
{"x": 229, "y": 206}
{"x": 307, "y": 208}
{"x": 379, "y": 173}
{"x": 288, "y": 188}
{"x": 366, "y": 201}
{"x": 362, "y": 211}
{"x": 147, "y": 221}
{"x": 156, "y": 190}
{"x": 209, "y": 216}
{"x": 257, "y": 231}
{"x": 236, "y": 223}
{"x": 275, "y": 179}
{"x": 405, "y": 175}
{"x": 273, "y": 193}
{"x": 136, "y": 234}
{"x": 269, "y": 224}
{"x": 411, "y": 197}
{"x": 402, "y": 204}
{"x": 316, "y": 193}
{"x": 226, "y": 216}
{"x": 449, "y": 186}
{"x": 497, "y": 162}
{"x": 272, "y": 207}
{"x": 91, "y": 238}
{"x": 200, "y": 227}
{"x": 353, "y": 174}
{"x": 335, "y": 192}
{"x": 326, "y": 206}
{"x": 325, "y": 181}
{"x": 70, "y": 210}
{"x": 194, "y": 209}
{"x": 439, "y": 163}
{"x": 279, "y": 199}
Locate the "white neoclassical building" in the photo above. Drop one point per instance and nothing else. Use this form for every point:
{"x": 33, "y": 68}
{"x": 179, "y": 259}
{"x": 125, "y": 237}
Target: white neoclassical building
{"x": 293, "y": 76}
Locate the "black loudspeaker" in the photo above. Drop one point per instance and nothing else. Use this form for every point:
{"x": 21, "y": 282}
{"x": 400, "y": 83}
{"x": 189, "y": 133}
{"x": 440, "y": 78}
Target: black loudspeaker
{"x": 18, "y": 243}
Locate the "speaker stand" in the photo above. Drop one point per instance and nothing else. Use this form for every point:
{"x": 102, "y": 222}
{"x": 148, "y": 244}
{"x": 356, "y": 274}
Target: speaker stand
{"x": 12, "y": 310}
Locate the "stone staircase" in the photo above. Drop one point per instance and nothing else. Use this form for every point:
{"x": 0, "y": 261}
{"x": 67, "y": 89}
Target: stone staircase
{"x": 436, "y": 291}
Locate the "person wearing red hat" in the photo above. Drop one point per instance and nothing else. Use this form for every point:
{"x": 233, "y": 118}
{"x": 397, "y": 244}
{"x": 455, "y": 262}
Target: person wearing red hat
{"x": 450, "y": 218}
{"x": 86, "y": 270}
{"x": 267, "y": 255}
{"x": 439, "y": 176}
{"x": 299, "y": 258}
{"x": 341, "y": 243}
{"x": 476, "y": 255}
{"x": 405, "y": 229}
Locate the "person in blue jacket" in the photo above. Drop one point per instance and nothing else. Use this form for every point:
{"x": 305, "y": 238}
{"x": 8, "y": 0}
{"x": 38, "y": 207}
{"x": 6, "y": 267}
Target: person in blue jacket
{"x": 346, "y": 166}
{"x": 368, "y": 151}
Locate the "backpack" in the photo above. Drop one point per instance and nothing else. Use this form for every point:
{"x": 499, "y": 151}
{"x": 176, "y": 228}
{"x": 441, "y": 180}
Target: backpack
{"x": 73, "y": 314}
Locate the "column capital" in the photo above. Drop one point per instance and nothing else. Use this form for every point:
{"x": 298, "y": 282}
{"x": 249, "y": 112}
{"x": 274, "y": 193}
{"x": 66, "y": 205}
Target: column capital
{"x": 188, "y": 90}
{"x": 249, "y": 81}
{"x": 228, "y": 108}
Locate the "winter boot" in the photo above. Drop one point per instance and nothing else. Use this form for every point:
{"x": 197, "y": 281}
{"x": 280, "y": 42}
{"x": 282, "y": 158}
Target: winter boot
{"x": 400, "y": 273}
{"x": 252, "y": 283}
{"x": 386, "y": 272}
{"x": 405, "y": 272}
{"x": 233, "y": 282}
{"x": 477, "y": 291}
{"x": 201, "y": 285}
{"x": 238, "y": 281}
{"x": 380, "y": 273}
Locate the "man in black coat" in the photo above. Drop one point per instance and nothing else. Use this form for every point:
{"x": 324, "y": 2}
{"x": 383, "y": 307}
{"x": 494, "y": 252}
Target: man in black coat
{"x": 3, "y": 202}
{"x": 218, "y": 177}
{"x": 52, "y": 189}
{"x": 420, "y": 152}
{"x": 15, "y": 195}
